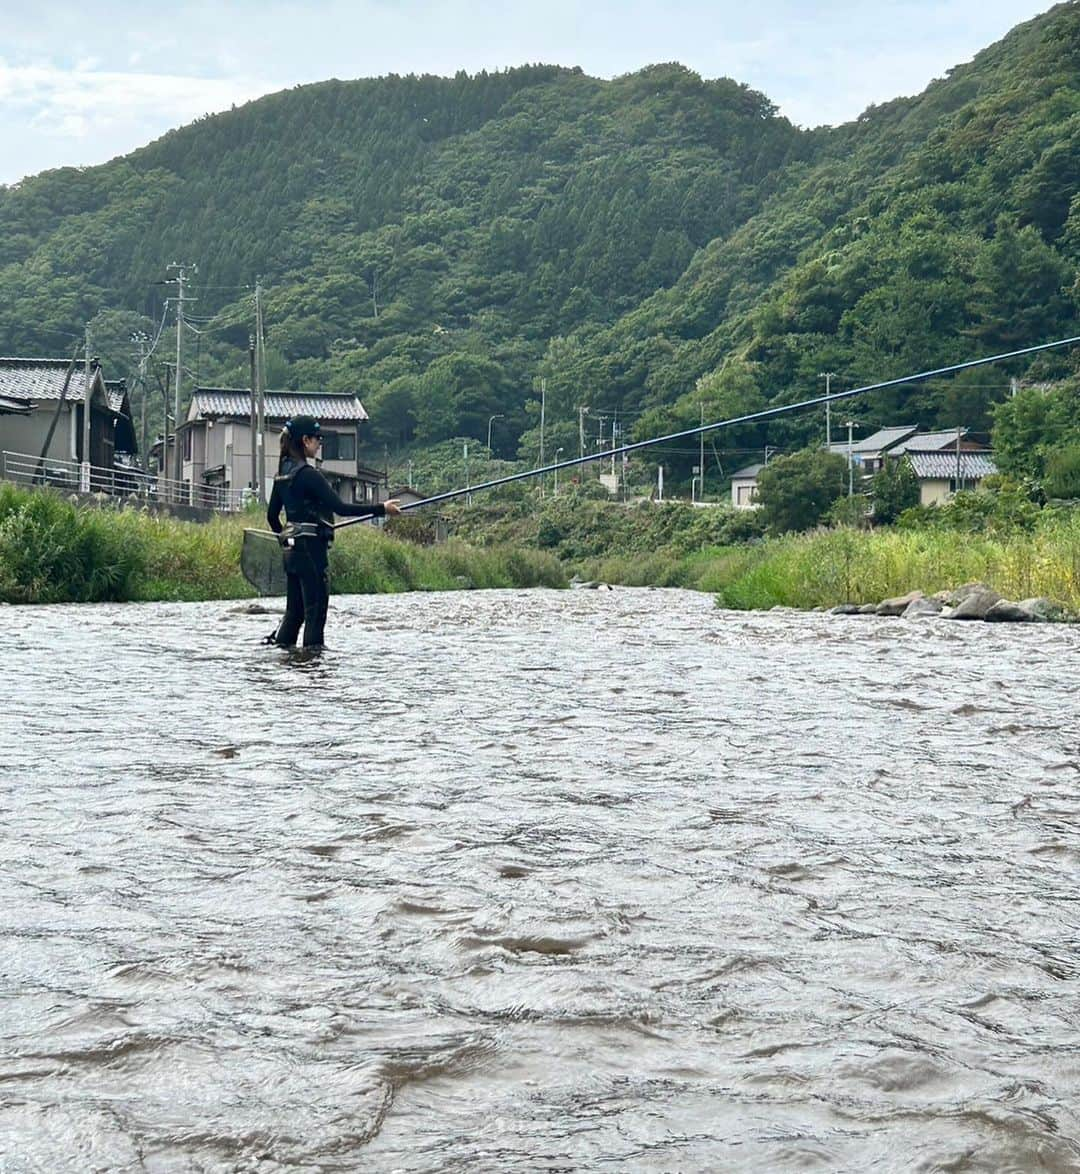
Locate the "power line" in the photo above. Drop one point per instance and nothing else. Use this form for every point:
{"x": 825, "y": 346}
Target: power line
{"x": 764, "y": 414}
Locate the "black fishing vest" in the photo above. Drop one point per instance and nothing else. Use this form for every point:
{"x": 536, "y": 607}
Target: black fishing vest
{"x": 302, "y": 512}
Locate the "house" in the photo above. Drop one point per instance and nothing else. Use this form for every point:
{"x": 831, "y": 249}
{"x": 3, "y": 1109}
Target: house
{"x": 437, "y": 523}
{"x": 42, "y": 423}
{"x": 944, "y": 462}
{"x": 868, "y": 455}
{"x": 942, "y": 473}
{"x": 744, "y": 487}
{"x": 408, "y": 496}
{"x": 216, "y": 440}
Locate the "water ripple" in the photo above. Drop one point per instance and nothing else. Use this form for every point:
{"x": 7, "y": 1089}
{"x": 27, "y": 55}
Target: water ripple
{"x": 538, "y": 880}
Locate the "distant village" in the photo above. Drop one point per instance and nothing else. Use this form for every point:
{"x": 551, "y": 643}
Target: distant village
{"x": 224, "y": 453}
{"x": 210, "y": 463}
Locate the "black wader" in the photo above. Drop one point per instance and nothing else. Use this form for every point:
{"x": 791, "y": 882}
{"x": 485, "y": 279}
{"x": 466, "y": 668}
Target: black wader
{"x": 309, "y": 504}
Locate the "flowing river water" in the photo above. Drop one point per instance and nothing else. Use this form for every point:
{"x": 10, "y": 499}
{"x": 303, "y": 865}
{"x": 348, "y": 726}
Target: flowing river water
{"x": 589, "y": 880}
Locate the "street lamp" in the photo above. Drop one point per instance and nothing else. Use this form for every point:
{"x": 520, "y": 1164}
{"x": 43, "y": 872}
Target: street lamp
{"x": 555, "y": 492}
{"x": 497, "y": 416}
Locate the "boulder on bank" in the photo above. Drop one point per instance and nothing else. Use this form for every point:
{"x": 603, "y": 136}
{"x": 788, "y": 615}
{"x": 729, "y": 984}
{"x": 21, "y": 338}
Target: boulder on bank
{"x": 1028, "y": 611}
{"x": 1007, "y": 612}
{"x": 1047, "y": 611}
{"x": 974, "y": 603}
{"x": 921, "y": 608}
{"x": 899, "y": 605}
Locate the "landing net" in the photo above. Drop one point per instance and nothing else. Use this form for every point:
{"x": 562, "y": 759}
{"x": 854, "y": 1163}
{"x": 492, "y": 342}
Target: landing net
{"x": 261, "y": 563}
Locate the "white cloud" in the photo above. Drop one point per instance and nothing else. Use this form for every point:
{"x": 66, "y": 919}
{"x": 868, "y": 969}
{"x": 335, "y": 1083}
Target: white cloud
{"x": 90, "y": 115}
{"x": 820, "y": 63}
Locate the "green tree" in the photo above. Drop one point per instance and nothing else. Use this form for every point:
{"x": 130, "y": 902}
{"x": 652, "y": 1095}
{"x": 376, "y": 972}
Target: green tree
{"x": 796, "y": 492}
{"x": 1031, "y": 424}
{"x": 1063, "y": 472}
{"x": 893, "y": 489}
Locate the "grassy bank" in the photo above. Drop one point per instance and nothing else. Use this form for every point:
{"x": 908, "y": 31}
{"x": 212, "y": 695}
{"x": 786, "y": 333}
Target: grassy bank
{"x": 54, "y": 552}
{"x": 828, "y": 567}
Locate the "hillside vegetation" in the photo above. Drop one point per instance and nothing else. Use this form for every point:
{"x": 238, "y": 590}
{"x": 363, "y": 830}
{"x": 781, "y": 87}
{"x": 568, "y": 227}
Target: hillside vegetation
{"x": 658, "y": 245}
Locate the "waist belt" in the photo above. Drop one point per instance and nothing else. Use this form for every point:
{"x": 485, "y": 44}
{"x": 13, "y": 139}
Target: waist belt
{"x": 296, "y": 530}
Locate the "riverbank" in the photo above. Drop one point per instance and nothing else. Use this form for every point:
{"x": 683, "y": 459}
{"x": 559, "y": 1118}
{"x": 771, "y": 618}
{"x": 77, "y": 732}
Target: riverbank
{"x": 54, "y": 552}
{"x": 829, "y": 567}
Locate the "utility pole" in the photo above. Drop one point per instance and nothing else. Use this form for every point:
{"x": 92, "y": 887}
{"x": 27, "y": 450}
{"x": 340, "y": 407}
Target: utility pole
{"x": 850, "y": 468}
{"x": 614, "y": 425}
{"x": 84, "y": 478}
{"x": 254, "y": 423}
{"x": 141, "y": 338}
{"x": 582, "y": 412}
{"x": 178, "y": 459}
{"x": 828, "y": 376}
{"x": 701, "y": 459}
{"x": 543, "y": 412}
{"x": 958, "y": 482}
{"x": 468, "y": 496}
{"x": 260, "y": 381}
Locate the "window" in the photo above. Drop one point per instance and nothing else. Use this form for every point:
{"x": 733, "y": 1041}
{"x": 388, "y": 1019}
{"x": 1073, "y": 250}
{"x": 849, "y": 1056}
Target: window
{"x": 338, "y": 446}
{"x": 187, "y": 445}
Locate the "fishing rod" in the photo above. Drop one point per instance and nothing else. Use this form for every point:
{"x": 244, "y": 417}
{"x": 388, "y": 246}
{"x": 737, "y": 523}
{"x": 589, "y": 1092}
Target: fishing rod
{"x": 764, "y": 414}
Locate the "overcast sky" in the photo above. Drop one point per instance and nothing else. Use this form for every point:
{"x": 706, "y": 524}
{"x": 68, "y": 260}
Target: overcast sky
{"x": 82, "y": 83}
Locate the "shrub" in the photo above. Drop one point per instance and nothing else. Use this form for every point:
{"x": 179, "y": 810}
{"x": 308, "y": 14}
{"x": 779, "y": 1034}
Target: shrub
{"x": 1062, "y": 479}
{"x": 795, "y": 492}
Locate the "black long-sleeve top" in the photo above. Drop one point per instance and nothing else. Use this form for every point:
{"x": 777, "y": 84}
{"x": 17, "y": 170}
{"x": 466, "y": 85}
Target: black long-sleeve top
{"x": 306, "y": 496}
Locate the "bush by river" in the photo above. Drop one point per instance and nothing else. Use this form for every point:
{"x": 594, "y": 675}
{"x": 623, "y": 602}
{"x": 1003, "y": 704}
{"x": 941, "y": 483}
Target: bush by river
{"x": 52, "y": 551}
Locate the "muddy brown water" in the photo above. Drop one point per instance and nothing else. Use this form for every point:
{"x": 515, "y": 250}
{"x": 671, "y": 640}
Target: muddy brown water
{"x": 592, "y": 880}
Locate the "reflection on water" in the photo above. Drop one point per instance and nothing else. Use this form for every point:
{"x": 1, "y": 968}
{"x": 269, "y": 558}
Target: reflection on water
{"x": 582, "y": 880}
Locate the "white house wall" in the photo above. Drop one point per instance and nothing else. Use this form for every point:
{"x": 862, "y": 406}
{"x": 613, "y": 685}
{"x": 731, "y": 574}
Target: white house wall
{"x": 26, "y": 434}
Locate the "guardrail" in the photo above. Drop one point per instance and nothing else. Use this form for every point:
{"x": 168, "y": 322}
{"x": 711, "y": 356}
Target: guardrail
{"x": 74, "y": 477}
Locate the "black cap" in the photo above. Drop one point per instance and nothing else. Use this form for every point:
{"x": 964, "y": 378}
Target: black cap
{"x": 300, "y": 426}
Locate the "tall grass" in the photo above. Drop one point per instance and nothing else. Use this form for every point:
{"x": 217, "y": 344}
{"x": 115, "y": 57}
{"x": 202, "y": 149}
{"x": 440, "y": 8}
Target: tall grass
{"x": 52, "y": 551}
{"x": 364, "y": 561}
{"x": 828, "y": 567}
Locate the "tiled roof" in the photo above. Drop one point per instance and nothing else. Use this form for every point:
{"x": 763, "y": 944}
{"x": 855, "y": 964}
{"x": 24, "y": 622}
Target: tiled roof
{"x": 746, "y": 474}
{"x": 942, "y": 466}
{"x": 280, "y": 405}
{"x": 38, "y": 379}
{"x": 116, "y": 390}
{"x": 928, "y": 442}
{"x": 883, "y": 439}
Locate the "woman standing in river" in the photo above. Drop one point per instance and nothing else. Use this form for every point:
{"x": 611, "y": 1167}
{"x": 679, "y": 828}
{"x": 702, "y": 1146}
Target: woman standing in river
{"x": 309, "y": 503}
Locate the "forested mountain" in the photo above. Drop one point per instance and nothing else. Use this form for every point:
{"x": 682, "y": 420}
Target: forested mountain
{"x": 657, "y": 244}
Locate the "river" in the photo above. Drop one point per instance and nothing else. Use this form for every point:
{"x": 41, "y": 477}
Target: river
{"x": 583, "y": 880}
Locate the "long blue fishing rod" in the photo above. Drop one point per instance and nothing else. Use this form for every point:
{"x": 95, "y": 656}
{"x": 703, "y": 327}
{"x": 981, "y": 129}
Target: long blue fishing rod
{"x": 764, "y": 414}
